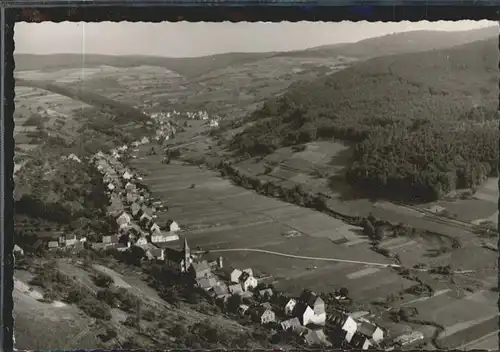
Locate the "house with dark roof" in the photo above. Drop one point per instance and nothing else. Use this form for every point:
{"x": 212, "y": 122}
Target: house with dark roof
{"x": 360, "y": 342}
{"x": 371, "y": 331}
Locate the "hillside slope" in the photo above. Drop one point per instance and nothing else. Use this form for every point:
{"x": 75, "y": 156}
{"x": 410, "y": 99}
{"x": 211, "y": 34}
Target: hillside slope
{"x": 423, "y": 123}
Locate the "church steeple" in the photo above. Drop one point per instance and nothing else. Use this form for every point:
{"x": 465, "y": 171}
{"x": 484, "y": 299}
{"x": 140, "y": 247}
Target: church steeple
{"x": 187, "y": 255}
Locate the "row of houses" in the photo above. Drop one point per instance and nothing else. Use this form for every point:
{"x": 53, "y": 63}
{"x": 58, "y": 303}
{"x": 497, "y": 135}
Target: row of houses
{"x": 135, "y": 217}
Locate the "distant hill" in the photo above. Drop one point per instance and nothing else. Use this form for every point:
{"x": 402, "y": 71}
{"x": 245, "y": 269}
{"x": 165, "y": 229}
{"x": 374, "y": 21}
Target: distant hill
{"x": 192, "y": 67}
{"x": 399, "y": 43}
{"x": 418, "y": 120}
{"x": 188, "y": 67}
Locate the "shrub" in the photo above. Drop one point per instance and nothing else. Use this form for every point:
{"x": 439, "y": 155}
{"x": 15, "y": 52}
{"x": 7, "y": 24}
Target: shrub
{"x": 95, "y": 309}
{"x": 102, "y": 280}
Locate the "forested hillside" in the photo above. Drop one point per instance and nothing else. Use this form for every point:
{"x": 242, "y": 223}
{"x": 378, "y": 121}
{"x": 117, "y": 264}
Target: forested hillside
{"x": 422, "y": 124}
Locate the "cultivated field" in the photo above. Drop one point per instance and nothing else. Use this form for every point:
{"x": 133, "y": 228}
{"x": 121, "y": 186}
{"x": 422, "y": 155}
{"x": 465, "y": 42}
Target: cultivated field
{"x": 218, "y": 215}
{"x": 38, "y": 109}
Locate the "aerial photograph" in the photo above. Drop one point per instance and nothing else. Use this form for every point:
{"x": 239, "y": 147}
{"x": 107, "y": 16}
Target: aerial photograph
{"x": 256, "y": 185}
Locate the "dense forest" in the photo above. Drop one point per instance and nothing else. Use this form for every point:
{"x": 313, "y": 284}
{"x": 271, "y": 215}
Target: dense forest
{"x": 420, "y": 124}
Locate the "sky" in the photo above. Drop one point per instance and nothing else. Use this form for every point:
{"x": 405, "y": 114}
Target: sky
{"x": 185, "y": 39}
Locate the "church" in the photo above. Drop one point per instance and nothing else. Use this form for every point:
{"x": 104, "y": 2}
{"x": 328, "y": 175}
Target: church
{"x": 178, "y": 258}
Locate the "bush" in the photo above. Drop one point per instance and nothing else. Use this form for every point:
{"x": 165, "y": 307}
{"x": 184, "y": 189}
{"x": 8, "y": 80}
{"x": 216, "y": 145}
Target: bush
{"x": 74, "y": 296}
{"x": 108, "y": 296}
{"x": 95, "y": 309}
{"x": 102, "y": 280}
{"x": 148, "y": 315}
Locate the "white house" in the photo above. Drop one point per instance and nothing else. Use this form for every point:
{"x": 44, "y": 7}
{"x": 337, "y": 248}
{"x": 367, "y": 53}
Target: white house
{"x": 123, "y": 219}
{"x": 242, "y": 309}
{"x": 317, "y": 304}
{"x": 163, "y": 237}
{"x": 141, "y": 241}
{"x": 154, "y": 228}
{"x": 18, "y": 250}
{"x": 248, "y": 282}
{"x": 290, "y": 306}
{"x": 214, "y": 123}
{"x": 74, "y": 157}
{"x": 127, "y": 175}
{"x": 71, "y": 240}
{"x": 350, "y": 327}
{"x": 235, "y": 275}
{"x": 304, "y": 313}
{"x": 145, "y": 140}
{"x": 174, "y": 227}
{"x": 111, "y": 186}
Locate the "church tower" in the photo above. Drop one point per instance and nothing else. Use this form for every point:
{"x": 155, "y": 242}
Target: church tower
{"x": 187, "y": 256}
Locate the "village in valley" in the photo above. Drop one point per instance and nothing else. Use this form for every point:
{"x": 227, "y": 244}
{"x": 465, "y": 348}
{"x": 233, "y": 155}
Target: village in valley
{"x": 310, "y": 319}
{"x": 247, "y": 200}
